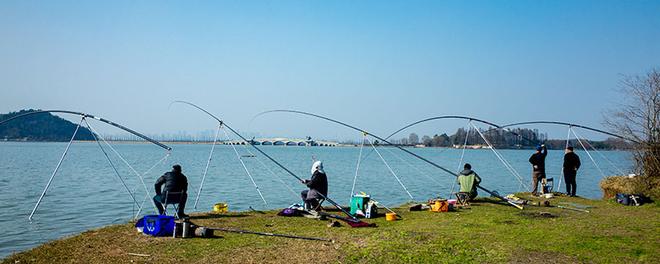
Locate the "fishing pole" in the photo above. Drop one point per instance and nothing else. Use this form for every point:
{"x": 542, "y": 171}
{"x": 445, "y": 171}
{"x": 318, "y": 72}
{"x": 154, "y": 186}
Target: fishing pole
{"x": 494, "y": 194}
{"x": 268, "y": 156}
{"x": 84, "y": 116}
{"x": 241, "y": 231}
{"x": 571, "y": 125}
{"x": 93, "y": 117}
{"x": 469, "y": 118}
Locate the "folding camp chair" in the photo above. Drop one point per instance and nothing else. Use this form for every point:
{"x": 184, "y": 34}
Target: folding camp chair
{"x": 548, "y": 185}
{"x": 173, "y": 199}
{"x": 314, "y": 204}
{"x": 463, "y": 199}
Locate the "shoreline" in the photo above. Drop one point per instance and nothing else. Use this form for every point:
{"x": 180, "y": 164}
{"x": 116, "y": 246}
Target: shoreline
{"x": 489, "y": 231}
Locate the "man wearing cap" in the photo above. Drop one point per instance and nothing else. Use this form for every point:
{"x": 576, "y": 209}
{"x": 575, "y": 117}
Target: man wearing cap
{"x": 175, "y": 182}
{"x": 538, "y": 167}
{"x": 571, "y": 166}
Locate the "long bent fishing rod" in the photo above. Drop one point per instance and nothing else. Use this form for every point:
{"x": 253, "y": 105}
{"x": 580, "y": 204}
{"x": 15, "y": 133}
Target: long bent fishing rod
{"x": 443, "y": 117}
{"x": 469, "y": 118}
{"x": 93, "y": 117}
{"x": 267, "y": 156}
{"x": 570, "y": 125}
{"x": 83, "y": 117}
{"x": 384, "y": 140}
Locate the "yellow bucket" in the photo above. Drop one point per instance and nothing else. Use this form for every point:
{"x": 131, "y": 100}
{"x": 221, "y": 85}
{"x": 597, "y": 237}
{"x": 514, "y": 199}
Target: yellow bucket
{"x": 390, "y": 216}
{"x": 220, "y": 208}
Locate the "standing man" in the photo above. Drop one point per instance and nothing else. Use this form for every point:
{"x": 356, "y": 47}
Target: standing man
{"x": 571, "y": 166}
{"x": 175, "y": 182}
{"x": 538, "y": 167}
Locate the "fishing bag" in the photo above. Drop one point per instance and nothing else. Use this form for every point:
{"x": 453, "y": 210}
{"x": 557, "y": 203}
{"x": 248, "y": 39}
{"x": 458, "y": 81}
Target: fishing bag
{"x": 290, "y": 212}
{"x": 629, "y": 199}
{"x": 156, "y": 225}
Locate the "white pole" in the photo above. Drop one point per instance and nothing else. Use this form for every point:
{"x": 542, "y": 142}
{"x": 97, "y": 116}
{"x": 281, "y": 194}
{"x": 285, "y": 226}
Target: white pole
{"x": 206, "y": 169}
{"x": 568, "y": 138}
{"x": 357, "y": 168}
{"x": 392, "y": 171}
{"x": 246, "y": 170}
{"x": 59, "y": 163}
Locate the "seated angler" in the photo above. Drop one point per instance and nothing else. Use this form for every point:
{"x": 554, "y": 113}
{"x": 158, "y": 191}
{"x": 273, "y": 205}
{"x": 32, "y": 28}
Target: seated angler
{"x": 468, "y": 180}
{"x": 175, "y": 190}
{"x": 318, "y": 187}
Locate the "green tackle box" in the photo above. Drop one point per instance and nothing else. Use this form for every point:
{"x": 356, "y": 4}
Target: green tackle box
{"x": 359, "y": 203}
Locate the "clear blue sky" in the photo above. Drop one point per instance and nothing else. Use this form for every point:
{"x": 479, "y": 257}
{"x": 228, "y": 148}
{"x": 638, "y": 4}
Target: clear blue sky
{"x": 378, "y": 65}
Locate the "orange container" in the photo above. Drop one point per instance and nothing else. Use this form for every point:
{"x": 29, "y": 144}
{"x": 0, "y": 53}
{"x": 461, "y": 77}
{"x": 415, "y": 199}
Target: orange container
{"x": 440, "y": 206}
{"x": 390, "y": 216}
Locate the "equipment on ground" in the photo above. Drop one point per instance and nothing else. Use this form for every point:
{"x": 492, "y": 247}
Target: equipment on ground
{"x": 630, "y": 199}
{"x": 220, "y": 208}
{"x": 241, "y": 231}
{"x": 359, "y": 204}
{"x": 439, "y": 205}
{"x": 574, "y": 209}
{"x": 156, "y": 225}
{"x": 391, "y": 216}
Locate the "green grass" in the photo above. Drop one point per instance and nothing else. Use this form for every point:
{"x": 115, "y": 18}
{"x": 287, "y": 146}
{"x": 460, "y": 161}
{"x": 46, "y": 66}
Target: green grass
{"x": 486, "y": 233}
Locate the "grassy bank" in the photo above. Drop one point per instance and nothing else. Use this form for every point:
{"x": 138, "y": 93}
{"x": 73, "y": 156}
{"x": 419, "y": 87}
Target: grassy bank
{"x": 486, "y": 233}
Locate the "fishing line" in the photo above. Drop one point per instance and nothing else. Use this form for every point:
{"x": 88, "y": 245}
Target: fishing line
{"x": 506, "y": 165}
{"x": 246, "y": 169}
{"x": 59, "y": 163}
{"x": 208, "y": 162}
{"x": 494, "y": 194}
{"x": 604, "y": 157}
{"x": 568, "y": 138}
{"x": 588, "y": 154}
{"x": 413, "y": 166}
{"x": 271, "y": 171}
{"x": 137, "y": 174}
{"x": 352, "y": 218}
{"x": 146, "y": 195}
{"x": 460, "y": 162}
{"x": 114, "y": 168}
{"x": 391, "y": 171}
{"x": 357, "y": 167}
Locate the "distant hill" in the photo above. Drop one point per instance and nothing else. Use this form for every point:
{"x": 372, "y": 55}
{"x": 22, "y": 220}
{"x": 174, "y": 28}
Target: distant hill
{"x": 40, "y": 127}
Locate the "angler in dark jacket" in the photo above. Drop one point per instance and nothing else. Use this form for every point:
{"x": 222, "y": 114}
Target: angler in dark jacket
{"x": 571, "y": 166}
{"x": 175, "y": 182}
{"x": 538, "y": 167}
{"x": 318, "y": 186}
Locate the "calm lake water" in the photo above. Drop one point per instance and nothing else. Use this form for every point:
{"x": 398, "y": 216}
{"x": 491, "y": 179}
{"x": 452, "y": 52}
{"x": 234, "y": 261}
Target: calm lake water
{"x": 87, "y": 194}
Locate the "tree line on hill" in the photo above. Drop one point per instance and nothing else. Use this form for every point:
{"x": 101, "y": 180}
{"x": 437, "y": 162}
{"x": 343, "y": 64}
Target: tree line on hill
{"x": 504, "y": 139}
{"x": 40, "y": 127}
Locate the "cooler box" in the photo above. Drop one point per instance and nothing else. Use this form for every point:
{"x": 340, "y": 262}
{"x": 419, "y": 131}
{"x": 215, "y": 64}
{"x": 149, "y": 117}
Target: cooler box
{"x": 359, "y": 203}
